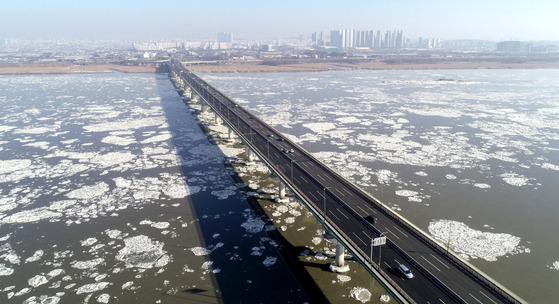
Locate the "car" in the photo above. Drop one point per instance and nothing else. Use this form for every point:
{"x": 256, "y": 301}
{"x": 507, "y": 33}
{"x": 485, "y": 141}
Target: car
{"x": 280, "y": 138}
{"x": 285, "y": 151}
{"x": 291, "y": 151}
{"x": 405, "y": 271}
{"x": 271, "y": 135}
{"x": 371, "y": 219}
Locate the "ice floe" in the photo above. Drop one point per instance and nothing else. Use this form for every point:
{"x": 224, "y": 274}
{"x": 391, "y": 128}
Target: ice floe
{"x": 93, "y": 287}
{"x": 360, "y": 294}
{"x": 142, "y": 252}
{"x": 37, "y": 281}
{"x": 269, "y": 261}
{"x": 472, "y": 244}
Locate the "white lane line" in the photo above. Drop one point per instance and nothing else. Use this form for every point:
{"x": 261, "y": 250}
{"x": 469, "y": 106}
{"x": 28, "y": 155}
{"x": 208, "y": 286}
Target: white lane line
{"x": 365, "y": 212}
{"x": 335, "y": 216}
{"x": 359, "y": 238}
{"x": 339, "y": 192}
{"x": 471, "y": 295}
{"x": 442, "y": 301}
{"x": 401, "y": 231}
{"x": 426, "y": 260}
{"x": 310, "y": 193}
{"x": 368, "y": 236}
{"x": 391, "y": 233}
{"x": 445, "y": 265}
{"x": 369, "y": 207}
{"x": 349, "y": 193}
{"x": 304, "y": 179}
{"x": 487, "y": 297}
{"x": 342, "y": 213}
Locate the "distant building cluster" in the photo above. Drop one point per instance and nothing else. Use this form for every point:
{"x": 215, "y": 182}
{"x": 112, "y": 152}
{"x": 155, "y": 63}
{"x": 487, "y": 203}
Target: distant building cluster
{"x": 355, "y": 39}
{"x": 523, "y": 47}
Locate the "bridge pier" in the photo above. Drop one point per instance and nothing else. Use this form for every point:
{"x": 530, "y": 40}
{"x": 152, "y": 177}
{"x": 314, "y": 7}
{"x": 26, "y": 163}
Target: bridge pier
{"x": 205, "y": 106}
{"x": 193, "y": 96}
{"x": 340, "y": 252}
{"x": 186, "y": 92}
{"x": 281, "y": 189}
{"x": 230, "y": 132}
{"x": 217, "y": 119}
{"x": 250, "y": 154}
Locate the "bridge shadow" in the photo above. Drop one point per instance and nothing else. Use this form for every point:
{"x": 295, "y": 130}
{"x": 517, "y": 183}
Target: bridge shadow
{"x": 239, "y": 279}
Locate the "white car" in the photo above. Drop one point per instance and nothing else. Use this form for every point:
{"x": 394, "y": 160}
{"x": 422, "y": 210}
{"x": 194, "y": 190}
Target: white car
{"x": 405, "y": 271}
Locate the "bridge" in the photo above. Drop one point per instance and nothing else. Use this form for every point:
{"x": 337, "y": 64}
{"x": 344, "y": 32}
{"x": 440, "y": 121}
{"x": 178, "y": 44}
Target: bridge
{"x": 342, "y": 208}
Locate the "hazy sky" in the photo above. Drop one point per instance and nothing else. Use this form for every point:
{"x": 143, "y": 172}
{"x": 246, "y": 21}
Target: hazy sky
{"x": 258, "y": 19}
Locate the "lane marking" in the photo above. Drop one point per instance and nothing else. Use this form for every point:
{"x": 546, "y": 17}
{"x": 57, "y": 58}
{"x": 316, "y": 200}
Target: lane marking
{"x": 310, "y": 193}
{"x": 368, "y": 237}
{"x": 335, "y": 216}
{"x": 365, "y": 212}
{"x": 373, "y": 210}
{"x": 400, "y": 231}
{"x": 339, "y": 192}
{"x": 359, "y": 238}
{"x": 304, "y": 179}
{"x": 426, "y": 260}
{"x": 445, "y": 265}
{"x": 471, "y": 295}
{"x": 342, "y": 213}
{"x": 347, "y": 191}
{"x": 391, "y": 233}
{"x": 487, "y": 297}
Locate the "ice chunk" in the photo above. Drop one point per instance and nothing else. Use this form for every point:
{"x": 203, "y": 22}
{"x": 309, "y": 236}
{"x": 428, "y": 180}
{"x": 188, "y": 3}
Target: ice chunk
{"x": 470, "y": 243}
{"x": 142, "y": 252}
{"x": 93, "y": 287}
{"x": 360, "y": 294}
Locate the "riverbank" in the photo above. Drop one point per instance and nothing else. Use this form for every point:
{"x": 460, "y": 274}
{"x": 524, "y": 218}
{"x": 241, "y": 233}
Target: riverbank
{"x": 69, "y": 68}
{"x": 294, "y": 65}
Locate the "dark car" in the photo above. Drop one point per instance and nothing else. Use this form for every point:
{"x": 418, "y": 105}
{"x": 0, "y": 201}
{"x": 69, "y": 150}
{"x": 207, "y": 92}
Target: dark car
{"x": 371, "y": 219}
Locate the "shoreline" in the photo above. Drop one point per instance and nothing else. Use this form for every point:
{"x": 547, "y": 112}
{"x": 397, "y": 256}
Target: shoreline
{"x": 274, "y": 67}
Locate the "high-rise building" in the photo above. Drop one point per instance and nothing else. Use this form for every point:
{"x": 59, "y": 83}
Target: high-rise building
{"x": 225, "y": 37}
{"x": 349, "y": 38}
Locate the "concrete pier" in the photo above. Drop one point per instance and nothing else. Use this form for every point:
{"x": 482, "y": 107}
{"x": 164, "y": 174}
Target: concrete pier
{"x": 340, "y": 252}
{"x": 281, "y": 189}
{"x": 230, "y": 132}
{"x": 250, "y": 154}
{"x": 205, "y": 106}
{"x": 217, "y": 119}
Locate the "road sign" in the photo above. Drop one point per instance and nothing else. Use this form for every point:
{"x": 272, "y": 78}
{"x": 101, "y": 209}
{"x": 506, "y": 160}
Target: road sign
{"x": 379, "y": 241}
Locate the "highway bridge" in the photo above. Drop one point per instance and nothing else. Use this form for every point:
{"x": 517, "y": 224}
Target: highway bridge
{"x": 440, "y": 276}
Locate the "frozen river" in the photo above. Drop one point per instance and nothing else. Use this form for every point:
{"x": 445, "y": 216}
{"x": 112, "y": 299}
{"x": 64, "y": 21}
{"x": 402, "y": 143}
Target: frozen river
{"x": 110, "y": 192}
{"x": 469, "y": 156}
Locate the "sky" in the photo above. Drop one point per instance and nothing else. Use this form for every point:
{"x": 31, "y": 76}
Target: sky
{"x": 494, "y": 20}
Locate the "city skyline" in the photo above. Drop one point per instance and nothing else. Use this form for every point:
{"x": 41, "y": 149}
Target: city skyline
{"x": 251, "y": 19}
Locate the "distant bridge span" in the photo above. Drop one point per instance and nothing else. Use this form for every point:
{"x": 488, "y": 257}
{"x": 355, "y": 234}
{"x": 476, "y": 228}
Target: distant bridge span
{"x": 440, "y": 276}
